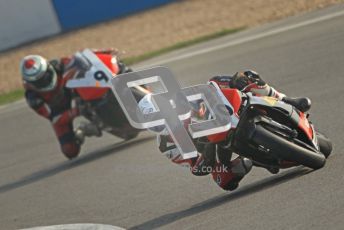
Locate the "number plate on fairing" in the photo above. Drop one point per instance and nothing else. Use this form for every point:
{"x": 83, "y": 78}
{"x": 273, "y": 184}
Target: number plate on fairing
{"x": 96, "y": 75}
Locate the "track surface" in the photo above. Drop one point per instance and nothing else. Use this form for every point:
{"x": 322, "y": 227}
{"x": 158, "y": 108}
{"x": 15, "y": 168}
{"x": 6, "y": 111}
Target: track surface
{"x": 132, "y": 186}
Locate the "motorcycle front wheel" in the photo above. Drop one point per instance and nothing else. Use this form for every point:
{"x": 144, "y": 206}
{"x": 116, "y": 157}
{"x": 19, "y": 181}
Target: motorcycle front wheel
{"x": 286, "y": 149}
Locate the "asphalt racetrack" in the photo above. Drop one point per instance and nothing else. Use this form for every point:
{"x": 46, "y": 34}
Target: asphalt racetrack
{"x": 130, "y": 185}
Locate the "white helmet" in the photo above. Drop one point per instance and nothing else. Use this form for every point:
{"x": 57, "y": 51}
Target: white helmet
{"x": 38, "y": 73}
{"x": 146, "y": 106}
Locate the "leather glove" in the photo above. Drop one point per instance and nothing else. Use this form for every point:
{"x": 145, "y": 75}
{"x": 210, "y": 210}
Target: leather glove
{"x": 243, "y": 79}
{"x": 239, "y": 81}
{"x": 254, "y": 77}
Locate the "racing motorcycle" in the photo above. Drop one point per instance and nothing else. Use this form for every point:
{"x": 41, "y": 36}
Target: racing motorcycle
{"x": 95, "y": 99}
{"x": 272, "y": 133}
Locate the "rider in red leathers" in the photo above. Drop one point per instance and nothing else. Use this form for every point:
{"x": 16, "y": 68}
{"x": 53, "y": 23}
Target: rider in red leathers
{"x": 227, "y": 173}
{"x": 45, "y": 92}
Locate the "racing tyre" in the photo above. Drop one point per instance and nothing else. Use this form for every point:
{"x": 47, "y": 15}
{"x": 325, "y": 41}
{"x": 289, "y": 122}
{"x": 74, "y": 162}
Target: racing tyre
{"x": 325, "y": 144}
{"x": 287, "y": 150}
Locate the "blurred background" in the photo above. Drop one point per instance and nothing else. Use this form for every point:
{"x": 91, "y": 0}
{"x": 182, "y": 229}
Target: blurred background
{"x": 60, "y": 27}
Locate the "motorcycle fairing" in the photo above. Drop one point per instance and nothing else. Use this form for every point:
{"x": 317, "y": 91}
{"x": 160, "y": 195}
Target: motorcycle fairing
{"x": 95, "y": 82}
{"x": 215, "y": 138}
{"x": 299, "y": 118}
{"x": 234, "y": 98}
{"x": 308, "y": 129}
{"x": 226, "y": 102}
{"x": 270, "y": 102}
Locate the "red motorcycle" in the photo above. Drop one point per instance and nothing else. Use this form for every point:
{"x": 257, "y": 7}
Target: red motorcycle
{"x": 272, "y": 133}
{"x": 93, "y": 92}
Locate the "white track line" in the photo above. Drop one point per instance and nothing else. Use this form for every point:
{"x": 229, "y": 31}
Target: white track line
{"x": 251, "y": 38}
{"x": 77, "y": 227}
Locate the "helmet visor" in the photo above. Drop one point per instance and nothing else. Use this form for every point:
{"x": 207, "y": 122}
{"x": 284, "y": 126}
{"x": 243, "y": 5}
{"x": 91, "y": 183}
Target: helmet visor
{"x": 47, "y": 81}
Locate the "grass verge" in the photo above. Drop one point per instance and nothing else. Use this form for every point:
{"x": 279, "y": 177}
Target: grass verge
{"x": 19, "y": 93}
{"x": 11, "y": 96}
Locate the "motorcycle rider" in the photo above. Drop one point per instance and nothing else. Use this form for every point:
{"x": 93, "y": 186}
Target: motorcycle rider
{"x": 45, "y": 92}
{"x": 226, "y": 173}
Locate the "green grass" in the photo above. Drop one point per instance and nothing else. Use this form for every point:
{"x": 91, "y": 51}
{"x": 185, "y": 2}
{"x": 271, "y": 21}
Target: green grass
{"x": 19, "y": 93}
{"x": 11, "y": 96}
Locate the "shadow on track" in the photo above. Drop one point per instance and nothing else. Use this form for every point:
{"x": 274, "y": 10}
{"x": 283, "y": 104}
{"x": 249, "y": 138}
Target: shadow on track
{"x": 79, "y": 161}
{"x": 222, "y": 199}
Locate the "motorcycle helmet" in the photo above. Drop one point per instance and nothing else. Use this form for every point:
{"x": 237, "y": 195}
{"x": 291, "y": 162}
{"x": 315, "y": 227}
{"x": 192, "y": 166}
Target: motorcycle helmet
{"x": 38, "y": 73}
{"x": 146, "y": 106}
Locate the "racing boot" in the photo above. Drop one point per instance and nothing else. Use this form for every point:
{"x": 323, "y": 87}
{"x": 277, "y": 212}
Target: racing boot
{"x": 228, "y": 178}
{"x": 206, "y": 160}
{"x": 86, "y": 129}
{"x": 79, "y": 136}
{"x": 301, "y": 103}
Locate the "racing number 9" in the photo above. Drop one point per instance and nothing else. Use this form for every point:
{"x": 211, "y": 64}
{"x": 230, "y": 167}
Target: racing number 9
{"x": 100, "y": 75}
